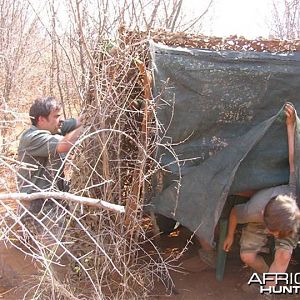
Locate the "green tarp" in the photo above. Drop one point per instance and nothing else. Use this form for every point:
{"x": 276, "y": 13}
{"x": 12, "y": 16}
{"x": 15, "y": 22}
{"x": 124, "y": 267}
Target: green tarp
{"x": 223, "y": 129}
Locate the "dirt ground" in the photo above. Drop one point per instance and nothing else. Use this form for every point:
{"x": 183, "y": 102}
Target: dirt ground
{"x": 14, "y": 266}
{"x": 196, "y": 281}
{"x": 193, "y": 279}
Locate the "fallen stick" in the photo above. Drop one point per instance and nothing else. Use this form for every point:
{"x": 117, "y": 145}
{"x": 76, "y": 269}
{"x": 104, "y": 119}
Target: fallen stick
{"x": 64, "y": 196}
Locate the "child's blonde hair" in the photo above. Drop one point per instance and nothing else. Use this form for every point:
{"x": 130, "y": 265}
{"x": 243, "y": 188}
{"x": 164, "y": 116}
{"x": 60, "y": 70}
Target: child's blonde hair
{"x": 282, "y": 215}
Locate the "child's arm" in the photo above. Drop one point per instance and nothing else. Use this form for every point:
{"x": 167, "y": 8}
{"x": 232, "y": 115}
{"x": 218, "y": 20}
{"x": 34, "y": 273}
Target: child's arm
{"x": 231, "y": 230}
{"x": 290, "y": 125}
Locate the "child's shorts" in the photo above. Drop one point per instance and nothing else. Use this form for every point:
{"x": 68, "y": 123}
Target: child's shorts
{"x": 255, "y": 239}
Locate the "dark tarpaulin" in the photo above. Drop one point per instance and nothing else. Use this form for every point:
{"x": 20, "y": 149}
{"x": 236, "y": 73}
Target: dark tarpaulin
{"x": 223, "y": 128}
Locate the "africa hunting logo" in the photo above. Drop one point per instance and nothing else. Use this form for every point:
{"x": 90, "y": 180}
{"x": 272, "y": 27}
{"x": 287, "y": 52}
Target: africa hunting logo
{"x": 277, "y": 283}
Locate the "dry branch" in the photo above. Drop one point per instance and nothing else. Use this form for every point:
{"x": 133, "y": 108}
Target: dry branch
{"x": 131, "y": 206}
{"x": 67, "y": 197}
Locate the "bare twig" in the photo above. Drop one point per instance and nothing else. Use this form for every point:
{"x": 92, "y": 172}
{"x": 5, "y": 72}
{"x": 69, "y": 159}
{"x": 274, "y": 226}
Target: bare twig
{"x": 65, "y": 196}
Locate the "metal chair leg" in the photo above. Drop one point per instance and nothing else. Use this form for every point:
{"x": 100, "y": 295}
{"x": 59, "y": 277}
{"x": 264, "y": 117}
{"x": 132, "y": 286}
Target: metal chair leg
{"x": 221, "y": 254}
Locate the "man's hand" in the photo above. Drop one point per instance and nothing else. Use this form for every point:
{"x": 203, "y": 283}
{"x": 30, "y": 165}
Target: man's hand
{"x": 290, "y": 114}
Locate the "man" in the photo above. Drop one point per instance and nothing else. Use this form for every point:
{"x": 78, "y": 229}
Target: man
{"x": 43, "y": 146}
{"x": 271, "y": 211}
{"x": 41, "y": 151}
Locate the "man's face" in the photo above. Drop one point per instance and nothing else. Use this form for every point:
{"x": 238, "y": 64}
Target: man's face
{"x": 52, "y": 122}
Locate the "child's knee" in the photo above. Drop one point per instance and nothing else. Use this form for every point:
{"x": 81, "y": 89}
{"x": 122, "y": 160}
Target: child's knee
{"x": 248, "y": 257}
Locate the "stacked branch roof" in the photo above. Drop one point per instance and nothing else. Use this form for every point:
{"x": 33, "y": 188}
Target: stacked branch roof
{"x": 234, "y": 43}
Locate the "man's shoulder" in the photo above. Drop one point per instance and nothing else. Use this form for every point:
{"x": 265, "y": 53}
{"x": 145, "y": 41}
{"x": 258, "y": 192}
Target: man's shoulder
{"x": 34, "y": 131}
{"x": 33, "y": 136}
